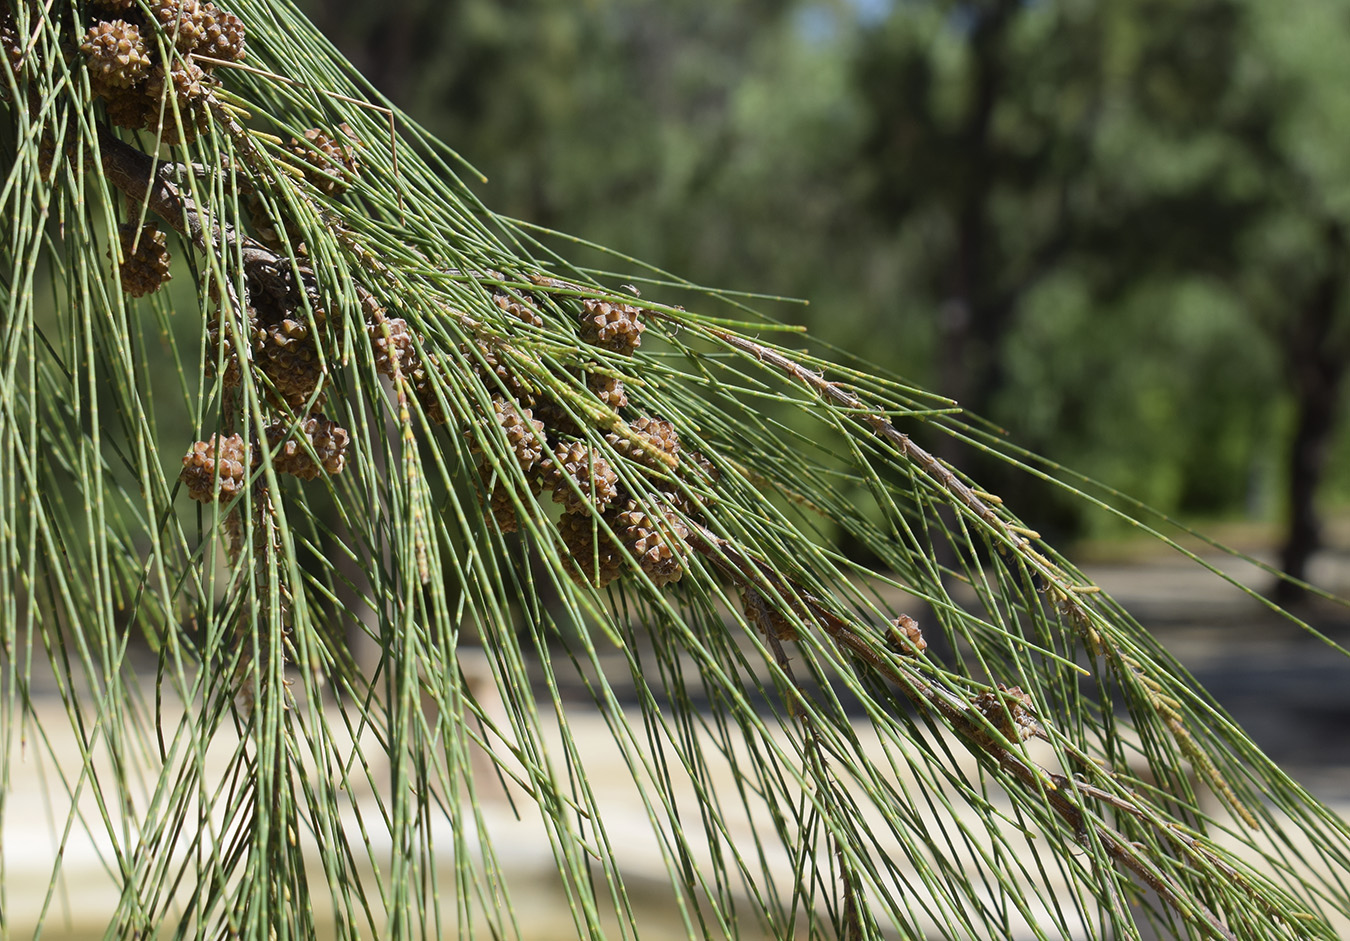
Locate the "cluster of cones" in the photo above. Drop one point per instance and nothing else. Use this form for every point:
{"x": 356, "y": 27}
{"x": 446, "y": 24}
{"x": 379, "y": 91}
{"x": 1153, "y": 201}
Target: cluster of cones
{"x": 153, "y": 69}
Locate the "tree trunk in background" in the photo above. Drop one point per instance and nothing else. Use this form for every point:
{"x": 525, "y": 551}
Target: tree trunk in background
{"x": 1316, "y": 421}
{"x": 1316, "y": 359}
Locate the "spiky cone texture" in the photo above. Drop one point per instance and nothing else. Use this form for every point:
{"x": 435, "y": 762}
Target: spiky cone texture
{"x": 518, "y": 309}
{"x": 189, "y": 83}
{"x": 615, "y": 327}
{"x": 595, "y": 560}
{"x": 585, "y": 483}
{"x": 327, "y": 441}
{"x": 608, "y": 389}
{"x": 223, "y": 34}
{"x": 287, "y": 355}
{"x": 425, "y": 390}
{"x": 524, "y": 433}
{"x": 658, "y": 545}
{"x": 182, "y": 21}
{"x": 13, "y": 47}
{"x": 391, "y": 343}
{"x": 131, "y": 108}
{"x": 233, "y": 372}
{"x": 906, "y": 637}
{"x": 659, "y": 435}
{"x": 116, "y": 54}
{"x": 502, "y": 510}
{"x": 144, "y": 268}
{"x": 331, "y": 163}
{"x": 1008, "y": 710}
{"x": 498, "y": 375}
{"x": 215, "y": 469}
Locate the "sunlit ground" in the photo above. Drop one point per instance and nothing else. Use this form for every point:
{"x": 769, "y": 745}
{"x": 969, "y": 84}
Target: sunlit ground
{"x": 1290, "y": 691}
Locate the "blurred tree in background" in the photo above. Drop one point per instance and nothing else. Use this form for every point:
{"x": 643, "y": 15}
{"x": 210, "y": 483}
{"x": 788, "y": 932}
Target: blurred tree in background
{"x": 1114, "y": 228}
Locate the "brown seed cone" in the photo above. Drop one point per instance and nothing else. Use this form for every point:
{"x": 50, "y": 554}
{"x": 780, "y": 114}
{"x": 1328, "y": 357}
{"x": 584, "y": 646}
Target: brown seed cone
{"x": 502, "y": 510}
{"x": 233, "y": 369}
{"x": 144, "y": 269}
{"x": 659, "y": 550}
{"x": 392, "y": 343}
{"x": 199, "y": 473}
{"x": 497, "y": 374}
{"x": 609, "y": 390}
{"x": 269, "y": 228}
{"x": 524, "y": 433}
{"x": 128, "y": 107}
{"x": 287, "y": 355}
{"x": 584, "y": 482}
{"x": 659, "y": 435}
{"x": 13, "y": 45}
{"x": 189, "y": 84}
{"x": 615, "y": 327}
{"x": 181, "y": 20}
{"x": 46, "y": 156}
{"x": 596, "y": 561}
{"x": 1009, "y": 711}
{"x": 332, "y": 160}
{"x": 426, "y": 395}
{"x": 519, "y": 309}
{"x": 765, "y": 616}
{"x": 222, "y": 34}
{"x": 116, "y": 53}
{"x": 906, "y": 637}
{"x": 326, "y": 438}
{"x": 699, "y": 459}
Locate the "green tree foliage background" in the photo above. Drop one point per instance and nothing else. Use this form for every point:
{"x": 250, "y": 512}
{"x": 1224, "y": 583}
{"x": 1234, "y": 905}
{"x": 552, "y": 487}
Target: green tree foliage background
{"x": 1114, "y": 228}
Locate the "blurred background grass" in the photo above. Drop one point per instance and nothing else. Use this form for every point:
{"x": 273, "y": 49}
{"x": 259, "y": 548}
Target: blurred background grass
{"x": 1116, "y": 228}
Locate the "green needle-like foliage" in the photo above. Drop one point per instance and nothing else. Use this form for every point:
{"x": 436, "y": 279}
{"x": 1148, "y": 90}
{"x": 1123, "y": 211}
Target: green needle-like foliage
{"x": 370, "y": 429}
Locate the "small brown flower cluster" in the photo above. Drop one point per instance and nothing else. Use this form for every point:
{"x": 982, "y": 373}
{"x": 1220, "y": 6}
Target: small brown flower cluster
{"x": 144, "y": 88}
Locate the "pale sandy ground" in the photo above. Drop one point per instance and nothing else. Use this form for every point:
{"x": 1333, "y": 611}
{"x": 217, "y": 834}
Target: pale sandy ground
{"x": 1294, "y": 693}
